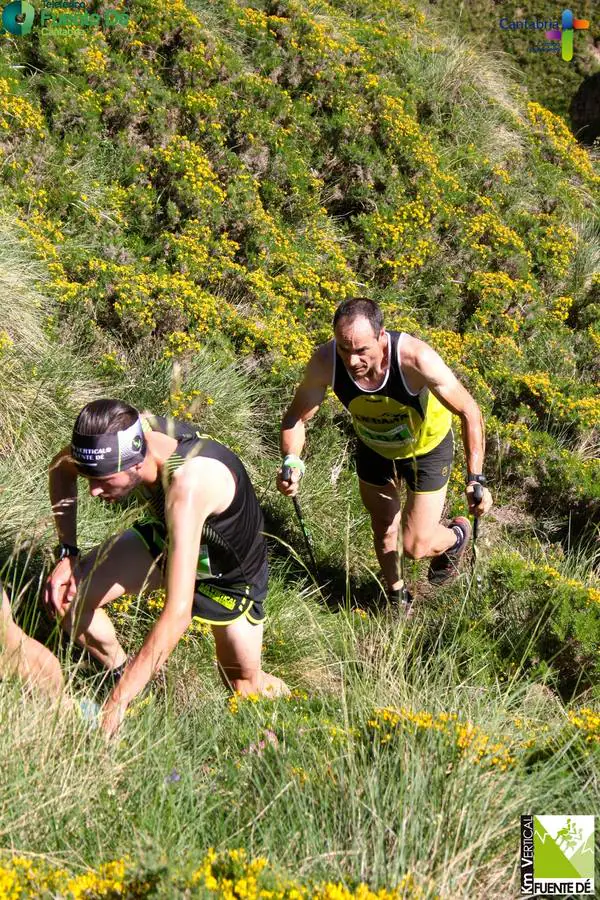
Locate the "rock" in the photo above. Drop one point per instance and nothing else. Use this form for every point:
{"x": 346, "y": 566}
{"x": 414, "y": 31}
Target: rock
{"x": 585, "y": 110}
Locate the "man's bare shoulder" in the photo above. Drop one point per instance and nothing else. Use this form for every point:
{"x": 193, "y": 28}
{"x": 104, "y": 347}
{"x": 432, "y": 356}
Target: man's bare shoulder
{"x": 414, "y": 353}
{"x": 197, "y": 469}
{"x": 204, "y": 479}
{"x": 64, "y": 460}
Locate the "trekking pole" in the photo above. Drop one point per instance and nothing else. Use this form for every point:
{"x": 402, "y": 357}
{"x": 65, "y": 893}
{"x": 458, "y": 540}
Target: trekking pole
{"x": 286, "y": 475}
{"x": 478, "y": 497}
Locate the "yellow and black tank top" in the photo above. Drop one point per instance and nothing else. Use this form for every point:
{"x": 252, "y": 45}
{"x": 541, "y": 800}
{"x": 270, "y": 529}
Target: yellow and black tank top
{"x": 233, "y": 548}
{"x": 391, "y": 420}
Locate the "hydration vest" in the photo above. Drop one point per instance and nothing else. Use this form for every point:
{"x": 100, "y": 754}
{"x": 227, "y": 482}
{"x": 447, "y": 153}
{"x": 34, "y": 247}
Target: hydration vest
{"x": 392, "y": 420}
{"x": 233, "y": 548}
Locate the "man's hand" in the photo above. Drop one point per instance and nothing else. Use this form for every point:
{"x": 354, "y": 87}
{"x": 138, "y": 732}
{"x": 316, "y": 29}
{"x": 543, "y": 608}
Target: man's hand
{"x": 61, "y": 587}
{"x": 484, "y": 505}
{"x": 289, "y": 487}
{"x": 112, "y": 715}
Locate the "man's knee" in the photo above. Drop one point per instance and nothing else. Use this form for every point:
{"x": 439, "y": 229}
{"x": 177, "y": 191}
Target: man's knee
{"x": 79, "y": 614}
{"x": 260, "y": 683}
{"x": 93, "y": 592}
{"x": 239, "y": 674}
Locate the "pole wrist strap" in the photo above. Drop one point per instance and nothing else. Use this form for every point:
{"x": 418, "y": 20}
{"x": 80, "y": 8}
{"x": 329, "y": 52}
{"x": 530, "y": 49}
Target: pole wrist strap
{"x": 294, "y": 462}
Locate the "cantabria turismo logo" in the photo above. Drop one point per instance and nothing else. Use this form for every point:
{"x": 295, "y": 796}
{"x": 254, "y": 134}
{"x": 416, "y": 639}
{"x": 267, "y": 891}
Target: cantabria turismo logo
{"x": 557, "y": 855}
{"x": 559, "y": 35}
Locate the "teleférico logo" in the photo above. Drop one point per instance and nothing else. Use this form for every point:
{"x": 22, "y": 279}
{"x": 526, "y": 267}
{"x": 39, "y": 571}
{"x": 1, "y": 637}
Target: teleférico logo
{"x": 557, "y": 855}
{"x": 18, "y": 17}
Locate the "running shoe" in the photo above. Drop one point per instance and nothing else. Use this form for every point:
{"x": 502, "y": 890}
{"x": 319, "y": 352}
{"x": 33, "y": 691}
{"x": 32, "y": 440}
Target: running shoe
{"x": 443, "y": 568}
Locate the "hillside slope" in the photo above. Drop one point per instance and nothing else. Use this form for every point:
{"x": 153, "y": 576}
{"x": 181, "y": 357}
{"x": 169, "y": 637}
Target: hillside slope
{"x": 241, "y": 170}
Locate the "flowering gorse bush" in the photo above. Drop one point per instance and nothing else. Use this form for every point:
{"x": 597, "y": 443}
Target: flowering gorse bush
{"x": 473, "y": 744}
{"x": 229, "y": 875}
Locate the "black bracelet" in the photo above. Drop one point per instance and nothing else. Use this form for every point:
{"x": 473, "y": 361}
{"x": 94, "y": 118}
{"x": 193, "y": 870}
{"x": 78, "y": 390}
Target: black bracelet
{"x": 65, "y": 551}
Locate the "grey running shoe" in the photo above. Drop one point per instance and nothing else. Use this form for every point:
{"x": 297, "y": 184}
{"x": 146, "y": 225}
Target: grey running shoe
{"x": 443, "y": 568}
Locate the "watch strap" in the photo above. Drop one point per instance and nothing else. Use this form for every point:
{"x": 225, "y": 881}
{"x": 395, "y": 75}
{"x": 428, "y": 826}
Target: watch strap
{"x": 66, "y": 551}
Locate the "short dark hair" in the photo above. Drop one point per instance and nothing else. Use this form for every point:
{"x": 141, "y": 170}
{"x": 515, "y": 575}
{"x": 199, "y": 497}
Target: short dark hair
{"x": 360, "y": 306}
{"x": 105, "y": 417}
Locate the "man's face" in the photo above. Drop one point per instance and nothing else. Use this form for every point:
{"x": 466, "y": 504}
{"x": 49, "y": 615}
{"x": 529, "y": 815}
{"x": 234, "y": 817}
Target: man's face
{"x": 360, "y": 348}
{"x": 111, "y": 488}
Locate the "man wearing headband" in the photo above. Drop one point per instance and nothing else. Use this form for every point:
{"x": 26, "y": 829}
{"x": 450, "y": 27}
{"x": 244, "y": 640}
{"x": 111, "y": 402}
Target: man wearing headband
{"x": 200, "y": 537}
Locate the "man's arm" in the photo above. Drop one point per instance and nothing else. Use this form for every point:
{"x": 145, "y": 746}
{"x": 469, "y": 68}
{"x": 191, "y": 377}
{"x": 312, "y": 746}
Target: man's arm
{"x": 307, "y": 400}
{"x": 200, "y": 488}
{"x": 62, "y": 485}
{"x": 421, "y": 361}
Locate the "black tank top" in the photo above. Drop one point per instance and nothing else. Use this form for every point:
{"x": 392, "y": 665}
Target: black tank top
{"x": 392, "y": 420}
{"x": 233, "y": 549}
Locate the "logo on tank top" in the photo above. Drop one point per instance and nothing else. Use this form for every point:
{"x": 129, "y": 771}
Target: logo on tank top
{"x": 382, "y": 420}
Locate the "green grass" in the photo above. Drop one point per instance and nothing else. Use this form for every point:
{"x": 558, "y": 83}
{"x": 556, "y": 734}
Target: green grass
{"x": 325, "y": 799}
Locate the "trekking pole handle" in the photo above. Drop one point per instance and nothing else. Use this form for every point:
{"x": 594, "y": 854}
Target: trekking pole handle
{"x": 286, "y": 475}
{"x": 478, "y": 497}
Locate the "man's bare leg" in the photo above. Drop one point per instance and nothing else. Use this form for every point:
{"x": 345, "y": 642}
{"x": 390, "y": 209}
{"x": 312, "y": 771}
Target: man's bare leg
{"x": 383, "y": 505}
{"x": 23, "y": 656}
{"x": 122, "y": 565}
{"x": 422, "y": 533}
{"x": 239, "y": 649}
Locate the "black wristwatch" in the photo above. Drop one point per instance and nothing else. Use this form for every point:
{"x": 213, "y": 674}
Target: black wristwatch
{"x": 480, "y": 479}
{"x": 65, "y": 551}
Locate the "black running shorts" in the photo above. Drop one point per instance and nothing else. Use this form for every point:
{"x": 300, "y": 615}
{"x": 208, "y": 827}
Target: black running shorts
{"x": 214, "y": 603}
{"x": 423, "y": 474}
